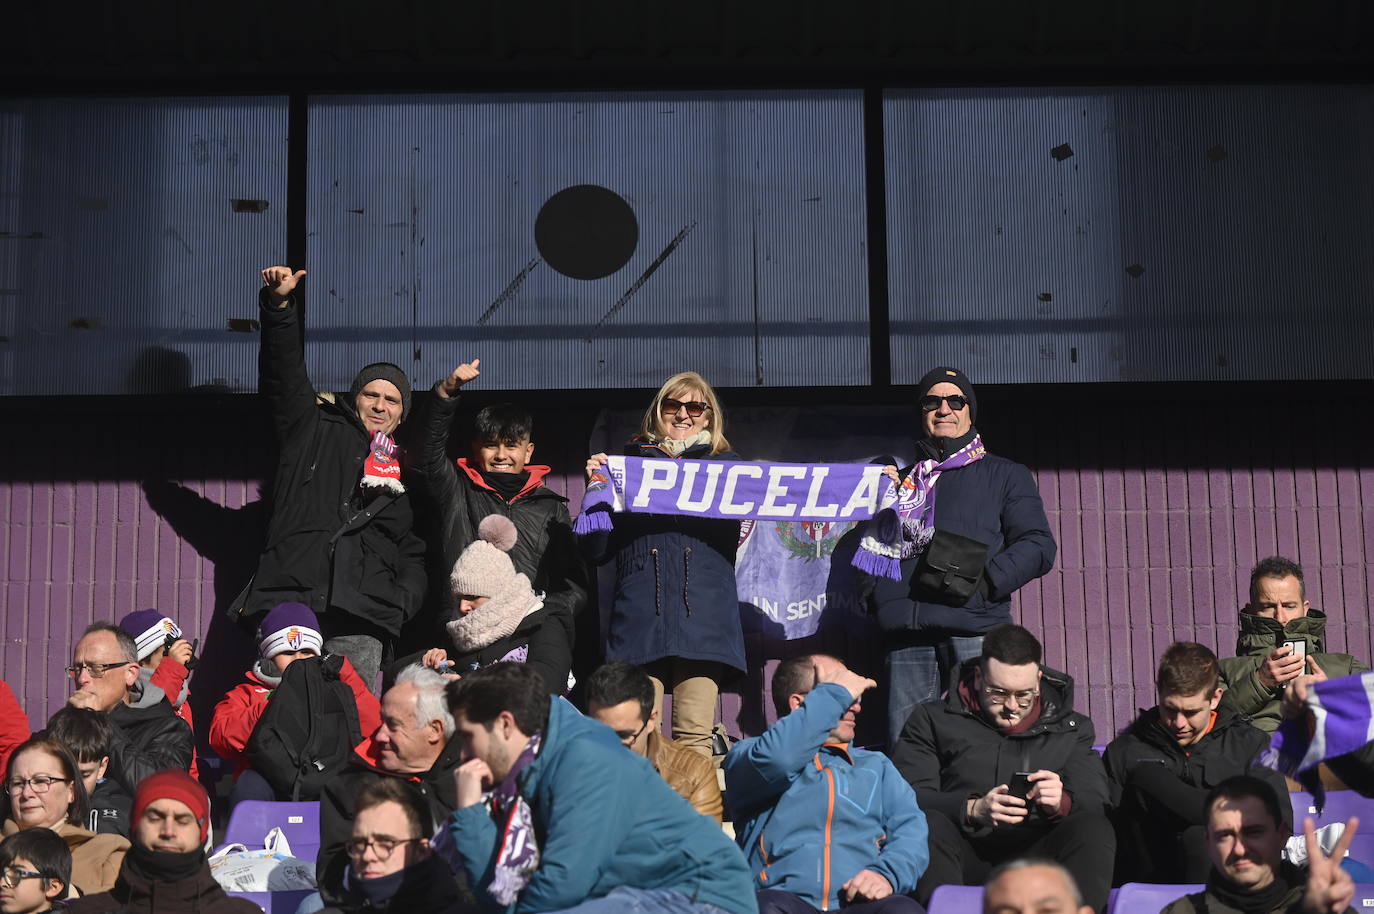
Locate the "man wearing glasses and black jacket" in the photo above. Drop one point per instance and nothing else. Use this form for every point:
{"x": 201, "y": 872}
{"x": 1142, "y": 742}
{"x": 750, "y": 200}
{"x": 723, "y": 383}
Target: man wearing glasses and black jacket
{"x": 1005, "y": 768}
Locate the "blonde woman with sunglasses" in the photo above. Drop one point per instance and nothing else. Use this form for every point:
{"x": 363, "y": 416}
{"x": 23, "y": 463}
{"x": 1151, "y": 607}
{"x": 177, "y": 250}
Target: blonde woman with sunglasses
{"x": 676, "y": 610}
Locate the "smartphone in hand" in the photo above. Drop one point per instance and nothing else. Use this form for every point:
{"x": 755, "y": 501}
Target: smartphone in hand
{"x": 1299, "y": 647}
{"x": 1020, "y": 785}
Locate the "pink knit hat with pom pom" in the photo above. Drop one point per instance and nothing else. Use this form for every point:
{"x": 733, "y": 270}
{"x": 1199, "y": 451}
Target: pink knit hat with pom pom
{"x": 484, "y": 569}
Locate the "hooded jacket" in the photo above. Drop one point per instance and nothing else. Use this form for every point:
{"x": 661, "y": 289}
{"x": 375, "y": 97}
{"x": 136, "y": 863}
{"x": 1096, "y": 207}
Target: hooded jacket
{"x": 171, "y": 678}
{"x": 545, "y": 549}
{"x": 148, "y": 737}
{"x": 1227, "y": 749}
{"x": 993, "y": 501}
{"x": 329, "y": 545}
{"x": 336, "y": 806}
{"x": 1259, "y": 636}
{"x": 109, "y": 809}
{"x": 133, "y": 894}
{"x": 811, "y": 814}
{"x": 603, "y": 819}
{"x": 238, "y": 712}
{"x": 950, "y": 753}
{"x": 675, "y": 592}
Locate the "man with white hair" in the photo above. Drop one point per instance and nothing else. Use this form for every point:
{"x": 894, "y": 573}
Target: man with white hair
{"x": 415, "y": 742}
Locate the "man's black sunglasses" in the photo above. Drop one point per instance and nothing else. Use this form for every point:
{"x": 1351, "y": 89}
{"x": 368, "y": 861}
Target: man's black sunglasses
{"x": 931, "y": 403}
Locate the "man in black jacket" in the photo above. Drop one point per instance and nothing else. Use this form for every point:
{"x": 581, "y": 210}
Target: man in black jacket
{"x": 1006, "y": 768}
{"x": 498, "y": 478}
{"x": 148, "y": 736}
{"x": 416, "y": 743}
{"x": 340, "y": 539}
{"x": 973, "y": 532}
{"x": 1162, "y": 766}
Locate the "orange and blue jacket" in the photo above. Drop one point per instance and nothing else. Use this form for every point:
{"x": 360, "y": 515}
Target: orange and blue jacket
{"x": 811, "y": 814}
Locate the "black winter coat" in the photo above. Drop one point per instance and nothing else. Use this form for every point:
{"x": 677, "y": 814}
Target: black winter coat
{"x": 146, "y": 741}
{"x": 545, "y": 549}
{"x": 336, "y": 809}
{"x": 995, "y": 502}
{"x": 1228, "y": 749}
{"x": 428, "y": 887}
{"x": 675, "y": 592}
{"x": 949, "y": 753}
{"x": 329, "y": 545}
{"x": 133, "y": 894}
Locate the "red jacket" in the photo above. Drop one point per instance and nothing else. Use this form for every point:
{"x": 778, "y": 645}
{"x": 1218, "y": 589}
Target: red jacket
{"x": 237, "y": 714}
{"x": 170, "y": 676}
{"x": 14, "y": 724}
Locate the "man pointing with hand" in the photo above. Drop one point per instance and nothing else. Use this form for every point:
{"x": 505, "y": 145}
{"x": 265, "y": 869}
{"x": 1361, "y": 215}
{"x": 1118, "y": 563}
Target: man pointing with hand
{"x": 340, "y": 539}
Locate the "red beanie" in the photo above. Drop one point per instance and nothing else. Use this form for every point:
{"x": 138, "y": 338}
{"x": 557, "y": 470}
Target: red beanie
{"x": 173, "y": 785}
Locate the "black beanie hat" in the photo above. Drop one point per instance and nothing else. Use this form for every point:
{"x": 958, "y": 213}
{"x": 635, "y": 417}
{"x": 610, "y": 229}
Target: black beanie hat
{"x": 382, "y": 371}
{"x": 952, "y": 376}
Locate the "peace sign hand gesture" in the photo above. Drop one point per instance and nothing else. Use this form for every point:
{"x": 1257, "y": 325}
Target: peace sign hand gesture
{"x": 1329, "y": 887}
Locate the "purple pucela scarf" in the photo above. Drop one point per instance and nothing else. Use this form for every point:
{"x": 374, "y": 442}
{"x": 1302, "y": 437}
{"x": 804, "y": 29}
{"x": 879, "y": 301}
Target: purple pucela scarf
{"x": 730, "y": 489}
{"x": 905, "y": 522}
{"x": 519, "y": 855}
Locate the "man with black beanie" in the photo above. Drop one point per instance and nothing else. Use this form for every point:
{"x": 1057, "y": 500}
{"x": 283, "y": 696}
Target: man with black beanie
{"x": 340, "y": 539}
{"x": 967, "y": 530}
{"x": 166, "y": 871}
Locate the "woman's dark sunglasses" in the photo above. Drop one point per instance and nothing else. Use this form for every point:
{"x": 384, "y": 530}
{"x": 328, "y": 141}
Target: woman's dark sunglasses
{"x": 694, "y": 407}
{"x": 931, "y": 403}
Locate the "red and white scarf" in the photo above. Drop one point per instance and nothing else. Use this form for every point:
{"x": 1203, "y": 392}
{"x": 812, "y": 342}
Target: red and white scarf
{"x": 383, "y": 466}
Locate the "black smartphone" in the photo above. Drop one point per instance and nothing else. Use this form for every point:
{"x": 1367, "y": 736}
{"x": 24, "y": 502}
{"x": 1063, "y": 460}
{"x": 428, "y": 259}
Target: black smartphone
{"x": 1019, "y": 785}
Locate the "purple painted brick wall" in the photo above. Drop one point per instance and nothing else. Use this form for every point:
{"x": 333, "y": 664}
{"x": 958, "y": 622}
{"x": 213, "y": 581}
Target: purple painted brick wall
{"x": 1161, "y": 502}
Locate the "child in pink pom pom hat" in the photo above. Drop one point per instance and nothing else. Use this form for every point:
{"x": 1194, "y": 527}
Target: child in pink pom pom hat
{"x": 498, "y": 615}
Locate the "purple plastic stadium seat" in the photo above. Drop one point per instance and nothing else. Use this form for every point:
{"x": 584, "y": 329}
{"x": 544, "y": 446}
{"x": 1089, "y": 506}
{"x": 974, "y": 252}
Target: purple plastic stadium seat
{"x": 251, "y": 820}
{"x": 1139, "y": 897}
{"x": 957, "y": 899}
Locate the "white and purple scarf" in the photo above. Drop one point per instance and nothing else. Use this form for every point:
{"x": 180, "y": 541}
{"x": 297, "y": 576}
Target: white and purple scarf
{"x": 730, "y": 489}
{"x": 1341, "y": 720}
{"x": 519, "y": 855}
{"x": 905, "y": 522}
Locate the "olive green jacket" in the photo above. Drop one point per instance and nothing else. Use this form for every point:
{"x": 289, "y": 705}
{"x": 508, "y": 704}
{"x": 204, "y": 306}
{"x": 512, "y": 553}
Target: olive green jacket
{"x": 1258, "y": 637}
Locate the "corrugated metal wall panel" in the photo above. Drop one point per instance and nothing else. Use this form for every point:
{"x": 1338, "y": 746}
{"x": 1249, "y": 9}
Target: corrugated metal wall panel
{"x": 750, "y": 262}
{"x": 1188, "y": 233}
{"x": 122, "y": 255}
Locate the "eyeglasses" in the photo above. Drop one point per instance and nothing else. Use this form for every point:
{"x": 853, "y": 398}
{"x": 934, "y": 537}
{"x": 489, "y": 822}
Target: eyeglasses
{"x": 629, "y": 736}
{"x": 11, "y": 876}
{"x": 931, "y": 403}
{"x": 40, "y": 784}
{"x": 97, "y": 670}
{"x": 694, "y": 407}
{"x": 384, "y": 845}
{"x": 1022, "y": 699}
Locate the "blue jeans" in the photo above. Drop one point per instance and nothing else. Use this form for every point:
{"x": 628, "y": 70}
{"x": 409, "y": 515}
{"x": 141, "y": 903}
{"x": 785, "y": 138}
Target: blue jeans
{"x": 643, "y": 901}
{"x": 919, "y": 674}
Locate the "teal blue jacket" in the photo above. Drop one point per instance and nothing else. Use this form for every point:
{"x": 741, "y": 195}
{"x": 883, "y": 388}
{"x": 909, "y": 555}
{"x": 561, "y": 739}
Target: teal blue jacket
{"x": 604, "y": 819}
{"x": 799, "y": 804}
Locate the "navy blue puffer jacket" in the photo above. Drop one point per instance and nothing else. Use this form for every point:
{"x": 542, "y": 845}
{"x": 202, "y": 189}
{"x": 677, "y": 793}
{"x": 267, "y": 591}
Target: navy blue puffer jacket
{"x": 994, "y": 501}
{"x": 675, "y": 581}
